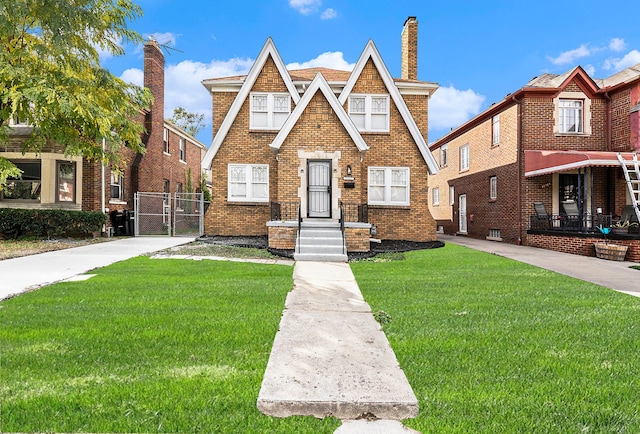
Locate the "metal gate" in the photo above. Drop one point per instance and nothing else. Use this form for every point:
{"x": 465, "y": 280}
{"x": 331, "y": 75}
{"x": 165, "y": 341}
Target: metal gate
{"x": 160, "y": 214}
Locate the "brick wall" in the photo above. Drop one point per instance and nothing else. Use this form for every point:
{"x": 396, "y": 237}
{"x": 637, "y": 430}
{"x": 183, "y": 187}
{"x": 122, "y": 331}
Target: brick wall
{"x": 581, "y": 245}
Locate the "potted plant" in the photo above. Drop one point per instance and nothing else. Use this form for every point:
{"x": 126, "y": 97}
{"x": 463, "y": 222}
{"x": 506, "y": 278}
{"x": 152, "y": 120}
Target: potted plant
{"x": 612, "y": 252}
{"x": 620, "y": 227}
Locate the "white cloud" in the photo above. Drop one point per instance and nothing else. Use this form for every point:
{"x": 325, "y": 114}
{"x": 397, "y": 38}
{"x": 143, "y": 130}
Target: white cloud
{"x": 133, "y": 76}
{"x": 590, "y": 69}
{"x": 305, "y": 7}
{"x": 329, "y": 14}
{"x": 618, "y": 64}
{"x": 330, "y": 59}
{"x": 570, "y": 56}
{"x": 450, "y": 107}
{"x": 617, "y": 44}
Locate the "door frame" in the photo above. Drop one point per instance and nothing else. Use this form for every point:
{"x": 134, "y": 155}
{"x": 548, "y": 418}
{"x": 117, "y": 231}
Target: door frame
{"x": 329, "y": 188}
{"x": 336, "y": 192}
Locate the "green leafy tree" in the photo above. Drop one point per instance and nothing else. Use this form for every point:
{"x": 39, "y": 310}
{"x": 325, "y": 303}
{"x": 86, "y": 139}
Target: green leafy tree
{"x": 50, "y": 76}
{"x": 192, "y": 123}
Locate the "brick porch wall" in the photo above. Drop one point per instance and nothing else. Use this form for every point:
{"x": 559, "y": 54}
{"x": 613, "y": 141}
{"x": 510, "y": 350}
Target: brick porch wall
{"x": 580, "y": 245}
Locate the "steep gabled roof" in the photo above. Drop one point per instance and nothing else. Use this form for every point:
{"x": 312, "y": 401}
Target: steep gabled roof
{"x": 319, "y": 83}
{"x": 554, "y": 81}
{"x": 269, "y": 49}
{"x": 371, "y": 52}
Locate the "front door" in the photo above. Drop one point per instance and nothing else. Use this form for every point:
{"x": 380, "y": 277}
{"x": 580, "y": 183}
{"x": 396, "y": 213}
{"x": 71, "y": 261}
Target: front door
{"x": 319, "y": 188}
{"x": 462, "y": 213}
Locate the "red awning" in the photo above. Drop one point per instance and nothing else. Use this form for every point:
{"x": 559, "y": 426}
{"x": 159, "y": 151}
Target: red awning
{"x": 543, "y": 162}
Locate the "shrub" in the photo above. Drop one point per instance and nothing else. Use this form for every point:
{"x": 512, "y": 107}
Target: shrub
{"x": 17, "y": 223}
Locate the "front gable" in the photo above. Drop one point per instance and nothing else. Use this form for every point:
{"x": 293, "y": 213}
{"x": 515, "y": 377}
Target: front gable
{"x": 368, "y": 75}
{"x": 260, "y": 77}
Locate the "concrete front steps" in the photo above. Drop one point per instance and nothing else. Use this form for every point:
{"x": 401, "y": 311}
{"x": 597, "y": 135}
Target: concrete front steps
{"x": 320, "y": 241}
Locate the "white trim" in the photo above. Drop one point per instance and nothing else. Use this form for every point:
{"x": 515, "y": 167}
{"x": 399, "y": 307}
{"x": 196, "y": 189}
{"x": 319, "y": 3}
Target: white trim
{"x": 387, "y": 186}
{"x": 319, "y": 83}
{"x": 249, "y": 197}
{"x": 371, "y": 51}
{"x": 368, "y": 111}
{"x": 268, "y": 49}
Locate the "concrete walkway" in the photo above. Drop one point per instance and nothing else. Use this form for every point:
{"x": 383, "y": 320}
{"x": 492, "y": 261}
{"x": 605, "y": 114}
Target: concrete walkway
{"x": 31, "y": 272}
{"x": 331, "y": 358}
{"x": 610, "y": 274}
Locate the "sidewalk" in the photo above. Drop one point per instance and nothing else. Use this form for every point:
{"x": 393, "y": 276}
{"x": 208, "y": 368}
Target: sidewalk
{"x": 31, "y": 272}
{"x": 331, "y": 358}
{"x": 610, "y": 274}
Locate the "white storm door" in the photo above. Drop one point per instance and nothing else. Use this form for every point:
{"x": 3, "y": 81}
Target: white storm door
{"x": 319, "y": 188}
{"x": 462, "y": 213}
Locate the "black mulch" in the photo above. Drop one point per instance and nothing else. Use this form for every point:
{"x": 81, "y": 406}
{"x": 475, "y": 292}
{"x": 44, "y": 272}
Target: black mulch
{"x": 385, "y": 246}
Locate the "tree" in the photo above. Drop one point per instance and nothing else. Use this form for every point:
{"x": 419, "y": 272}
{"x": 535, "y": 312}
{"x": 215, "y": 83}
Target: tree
{"x": 50, "y": 76}
{"x": 192, "y": 123}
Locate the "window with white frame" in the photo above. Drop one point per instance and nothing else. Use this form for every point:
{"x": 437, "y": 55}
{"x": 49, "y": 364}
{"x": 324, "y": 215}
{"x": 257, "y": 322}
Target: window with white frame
{"x": 388, "y": 186}
{"x": 493, "y": 187}
{"x": 464, "y": 157}
{"x": 117, "y": 186}
{"x": 435, "y": 196}
{"x": 495, "y": 130}
{"x": 179, "y": 195}
{"x": 444, "y": 149}
{"x": 183, "y": 150}
{"x": 165, "y": 138}
{"x": 248, "y": 183}
{"x": 452, "y": 195}
{"x": 269, "y": 110}
{"x": 571, "y": 111}
{"x": 370, "y": 112}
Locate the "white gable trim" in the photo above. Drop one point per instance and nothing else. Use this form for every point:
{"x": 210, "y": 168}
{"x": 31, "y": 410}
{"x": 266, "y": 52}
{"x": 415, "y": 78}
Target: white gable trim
{"x": 320, "y": 83}
{"x": 370, "y": 51}
{"x": 269, "y": 48}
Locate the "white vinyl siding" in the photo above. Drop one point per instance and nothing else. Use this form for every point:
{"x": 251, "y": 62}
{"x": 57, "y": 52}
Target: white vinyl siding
{"x": 269, "y": 111}
{"x": 248, "y": 183}
{"x": 388, "y": 186}
{"x": 370, "y": 112}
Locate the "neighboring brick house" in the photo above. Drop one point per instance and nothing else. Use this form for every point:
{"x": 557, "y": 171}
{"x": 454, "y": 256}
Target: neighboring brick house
{"x": 556, "y": 142}
{"x": 317, "y": 141}
{"x": 53, "y": 180}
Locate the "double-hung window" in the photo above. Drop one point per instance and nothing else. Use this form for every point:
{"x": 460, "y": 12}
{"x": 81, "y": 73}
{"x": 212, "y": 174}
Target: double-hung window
{"x": 495, "y": 130}
{"x": 66, "y": 172}
{"x": 388, "y": 186}
{"x": 248, "y": 183}
{"x": 444, "y": 149}
{"x": 571, "y": 111}
{"x": 165, "y": 139}
{"x": 464, "y": 157}
{"x": 436, "y": 196}
{"x": 117, "y": 186}
{"x": 183, "y": 150}
{"x": 269, "y": 110}
{"x": 452, "y": 195}
{"x": 370, "y": 112}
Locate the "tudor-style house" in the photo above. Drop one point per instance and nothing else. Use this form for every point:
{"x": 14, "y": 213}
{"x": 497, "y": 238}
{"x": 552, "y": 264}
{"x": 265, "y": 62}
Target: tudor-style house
{"x": 299, "y": 152}
{"x": 51, "y": 179}
{"x": 545, "y": 166}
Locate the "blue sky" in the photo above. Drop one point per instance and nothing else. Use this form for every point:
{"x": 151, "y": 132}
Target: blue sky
{"x": 477, "y": 52}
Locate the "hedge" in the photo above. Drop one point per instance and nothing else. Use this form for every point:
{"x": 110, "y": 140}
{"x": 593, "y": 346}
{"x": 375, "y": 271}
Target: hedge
{"x": 16, "y": 223}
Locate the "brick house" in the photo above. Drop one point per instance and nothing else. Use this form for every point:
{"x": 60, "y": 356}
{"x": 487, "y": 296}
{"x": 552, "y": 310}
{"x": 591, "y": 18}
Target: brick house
{"x": 322, "y": 147}
{"x": 555, "y": 142}
{"x": 53, "y": 180}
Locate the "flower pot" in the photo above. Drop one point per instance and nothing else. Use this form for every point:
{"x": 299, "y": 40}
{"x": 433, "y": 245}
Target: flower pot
{"x": 612, "y": 252}
{"x": 620, "y": 230}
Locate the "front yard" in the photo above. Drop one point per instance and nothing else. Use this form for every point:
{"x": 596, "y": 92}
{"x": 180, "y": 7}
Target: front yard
{"x": 488, "y": 345}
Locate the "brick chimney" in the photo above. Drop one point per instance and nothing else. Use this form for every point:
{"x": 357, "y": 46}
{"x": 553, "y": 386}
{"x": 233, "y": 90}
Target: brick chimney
{"x": 410, "y": 49}
{"x": 154, "y": 80}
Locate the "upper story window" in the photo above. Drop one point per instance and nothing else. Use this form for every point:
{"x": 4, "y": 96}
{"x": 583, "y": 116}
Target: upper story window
{"x": 248, "y": 183}
{"x": 464, "y": 157}
{"x": 183, "y": 149}
{"x": 571, "y": 112}
{"x": 388, "y": 186}
{"x": 370, "y": 112}
{"x": 444, "y": 149}
{"x": 165, "y": 138}
{"x": 117, "y": 186}
{"x": 269, "y": 110}
{"x": 495, "y": 130}
{"x": 493, "y": 187}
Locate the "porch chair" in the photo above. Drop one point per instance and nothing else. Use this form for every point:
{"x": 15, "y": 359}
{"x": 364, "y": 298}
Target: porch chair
{"x": 543, "y": 218}
{"x": 571, "y": 217}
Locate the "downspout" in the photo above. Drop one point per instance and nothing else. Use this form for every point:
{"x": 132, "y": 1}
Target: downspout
{"x": 611, "y": 201}
{"x": 102, "y": 186}
{"x": 519, "y": 163}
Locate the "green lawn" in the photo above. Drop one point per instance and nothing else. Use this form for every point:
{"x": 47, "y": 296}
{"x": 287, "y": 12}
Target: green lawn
{"x": 489, "y": 346}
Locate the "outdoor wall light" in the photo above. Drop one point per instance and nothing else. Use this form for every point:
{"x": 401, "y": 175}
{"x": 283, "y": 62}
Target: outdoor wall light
{"x": 348, "y": 170}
